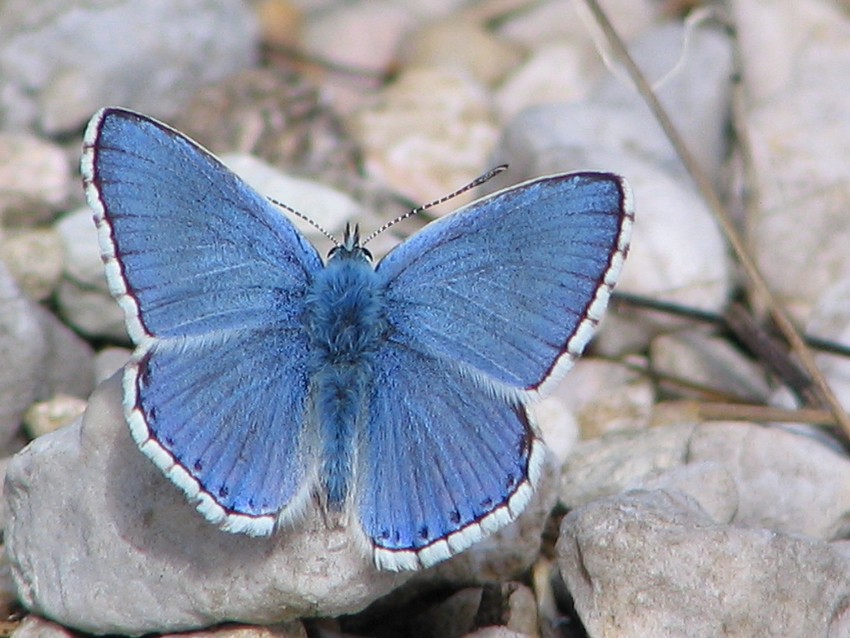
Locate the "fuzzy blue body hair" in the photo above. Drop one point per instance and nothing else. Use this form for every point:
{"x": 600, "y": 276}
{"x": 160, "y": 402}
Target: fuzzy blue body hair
{"x": 346, "y": 324}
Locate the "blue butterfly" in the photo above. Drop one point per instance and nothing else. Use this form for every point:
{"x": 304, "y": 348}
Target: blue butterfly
{"x": 393, "y": 396}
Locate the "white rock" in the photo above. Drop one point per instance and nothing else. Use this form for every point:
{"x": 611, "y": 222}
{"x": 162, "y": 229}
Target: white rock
{"x": 23, "y": 351}
{"x": 830, "y": 320}
{"x": 461, "y": 45}
{"x": 558, "y": 424}
{"x": 553, "y": 74}
{"x": 436, "y": 9}
{"x": 83, "y": 264}
{"x": 4, "y": 462}
{"x": 48, "y": 416}
{"x": 429, "y": 133}
{"x": 677, "y": 253}
{"x": 109, "y": 361}
{"x": 62, "y": 61}
{"x": 35, "y": 258}
{"x": 362, "y": 36}
{"x": 121, "y": 529}
{"x": 711, "y": 486}
{"x": 697, "y": 357}
{"x": 83, "y": 296}
{"x": 35, "y": 175}
{"x": 775, "y": 41}
{"x": 555, "y": 21}
{"x": 690, "y": 70}
{"x": 783, "y": 480}
{"x": 798, "y": 124}
{"x": 93, "y": 312}
{"x": 69, "y": 361}
{"x": 649, "y": 564}
{"x": 786, "y": 481}
{"x": 605, "y": 397}
{"x": 620, "y": 461}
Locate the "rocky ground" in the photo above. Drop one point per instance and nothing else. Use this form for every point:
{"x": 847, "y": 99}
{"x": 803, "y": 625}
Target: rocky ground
{"x": 673, "y": 502}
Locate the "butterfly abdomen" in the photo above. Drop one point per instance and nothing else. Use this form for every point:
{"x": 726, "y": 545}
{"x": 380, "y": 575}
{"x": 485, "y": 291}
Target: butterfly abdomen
{"x": 346, "y": 326}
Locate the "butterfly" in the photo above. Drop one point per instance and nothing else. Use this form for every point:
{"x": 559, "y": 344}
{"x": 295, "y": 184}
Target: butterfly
{"x": 395, "y": 396}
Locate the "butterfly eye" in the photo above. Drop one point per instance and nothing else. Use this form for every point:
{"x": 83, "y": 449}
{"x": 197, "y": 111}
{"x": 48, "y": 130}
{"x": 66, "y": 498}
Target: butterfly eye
{"x": 355, "y": 251}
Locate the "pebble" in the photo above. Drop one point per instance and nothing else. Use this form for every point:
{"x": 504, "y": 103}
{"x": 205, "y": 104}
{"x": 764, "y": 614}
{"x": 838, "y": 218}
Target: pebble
{"x": 798, "y": 124}
{"x": 149, "y": 55}
{"x": 83, "y": 295}
{"x": 69, "y": 361}
{"x": 278, "y": 116}
{"x": 35, "y": 259}
{"x": 48, "y": 416}
{"x": 4, "y": 462}
{"x": 65, "y": 538}
{"x": 427, "y": 134}
{"x": 464, "y": 46}
{"x": 689, "y": 528}
{"x": 693, "y": 356}
{"x": 35, "y": 177}
{"x": 552, "y": 74}
{"x": 109, "y": 361}
{"x": 555, "y": 21}
{"x": 830, "y": 320}
{"x": 24, "y": 346}
{"x": 604, "y": 396}
{"x": 361, "y": 36}
{"x": 783, "y": 480}
{"x": 650, "y": 563}
{"x": 690, "y": 69}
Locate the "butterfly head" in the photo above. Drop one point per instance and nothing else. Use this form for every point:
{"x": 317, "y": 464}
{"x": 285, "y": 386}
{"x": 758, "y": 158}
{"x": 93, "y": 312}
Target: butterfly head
{"x": 350, "y": 248}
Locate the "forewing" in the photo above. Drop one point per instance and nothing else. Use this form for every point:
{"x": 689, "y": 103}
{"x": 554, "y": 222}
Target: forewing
{"x": 512, "y": 285}
{"x": 444, "y": 461}
{"x": 212, "y": 279}
{"x": 189, "y": 247}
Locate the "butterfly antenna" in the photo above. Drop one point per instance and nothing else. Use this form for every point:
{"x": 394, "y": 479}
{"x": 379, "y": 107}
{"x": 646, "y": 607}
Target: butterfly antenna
{"x": 304, "y": 217}
{"x": 486, "y": 177}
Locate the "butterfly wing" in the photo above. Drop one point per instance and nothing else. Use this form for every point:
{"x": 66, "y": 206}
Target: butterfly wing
{"x": 513, "y": 285}
{"x": 212, "y": 280}
{"x": 487, "y": 308}
{"x": 446, "y": 462}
